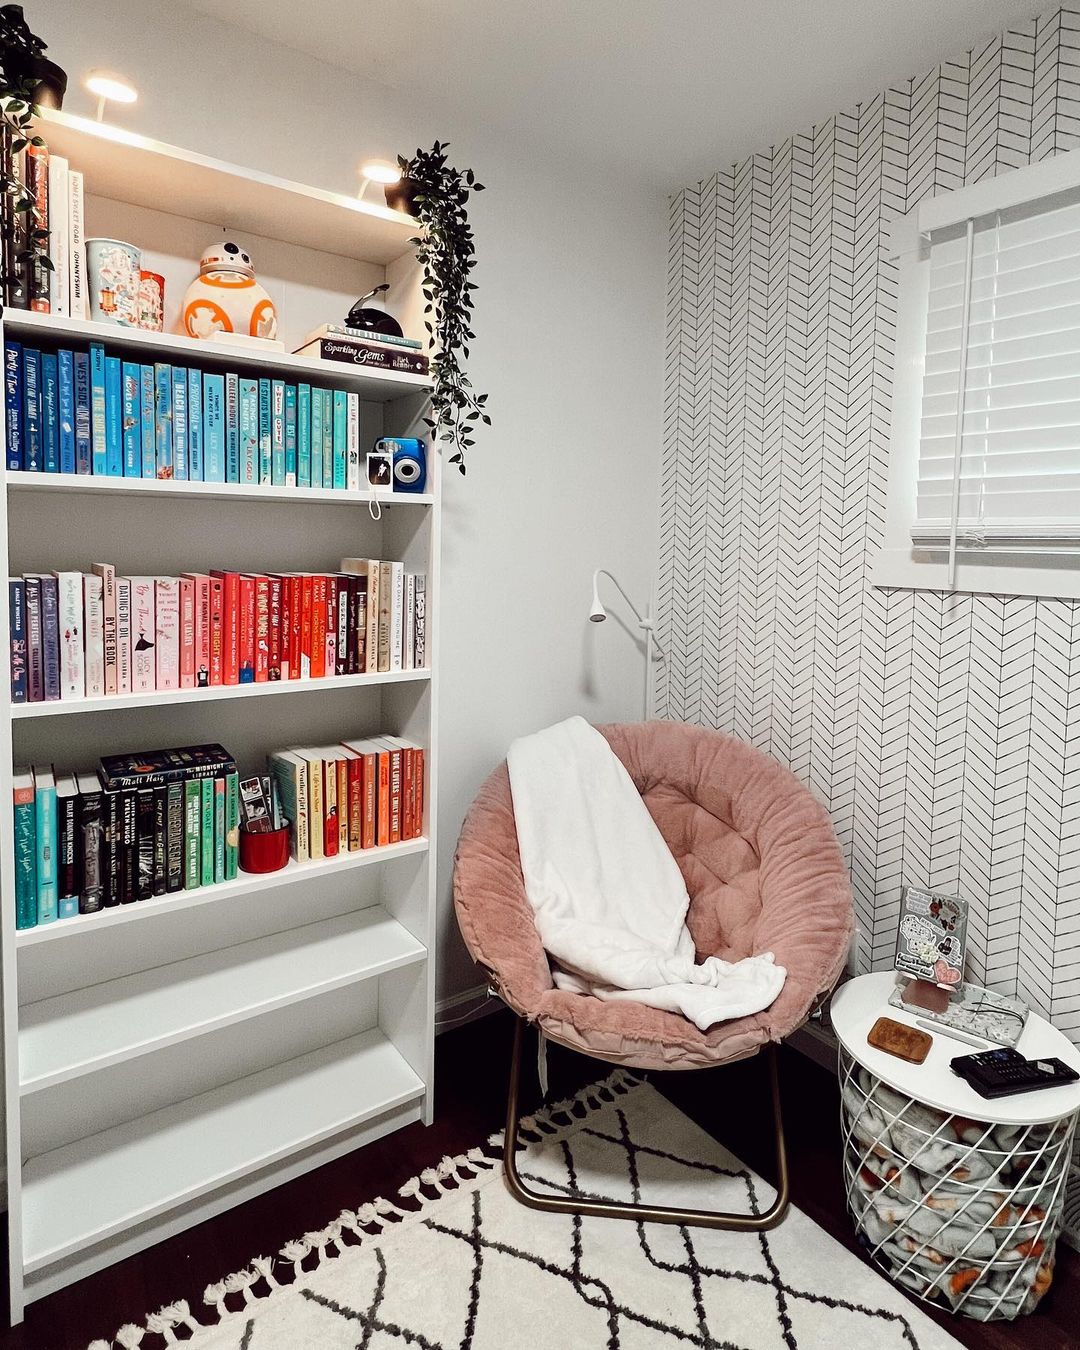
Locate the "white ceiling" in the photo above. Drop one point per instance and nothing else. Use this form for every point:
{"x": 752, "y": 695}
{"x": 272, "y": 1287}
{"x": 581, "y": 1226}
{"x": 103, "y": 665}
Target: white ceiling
{"x": 665, "y": 90}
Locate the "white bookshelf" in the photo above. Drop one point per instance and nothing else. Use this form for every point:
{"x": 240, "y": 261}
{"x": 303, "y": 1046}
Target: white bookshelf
{"x": 168, "y": 1059}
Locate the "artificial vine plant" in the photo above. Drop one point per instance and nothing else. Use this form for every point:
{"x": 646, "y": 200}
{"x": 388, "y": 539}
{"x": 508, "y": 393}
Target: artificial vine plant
{"x": 19, "y": 48}
{"x": 438, "y": 196}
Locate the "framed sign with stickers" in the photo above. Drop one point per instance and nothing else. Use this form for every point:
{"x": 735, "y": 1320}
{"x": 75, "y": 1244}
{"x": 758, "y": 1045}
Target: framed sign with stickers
{"x": 931, "y": 939}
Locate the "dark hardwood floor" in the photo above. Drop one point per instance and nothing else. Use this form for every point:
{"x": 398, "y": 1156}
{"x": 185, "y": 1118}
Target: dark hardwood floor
{"x": 472, "y": 1064}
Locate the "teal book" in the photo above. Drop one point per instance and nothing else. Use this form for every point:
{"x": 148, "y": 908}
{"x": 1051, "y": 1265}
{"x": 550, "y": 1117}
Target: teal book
{"x": 114, "y": 418}
{"x": 149, "y": 435}
{"x": 303, "y": 435}
{"x": 340, "y": 433}
{"x": 192, "y": 833}
{"x": 163, "y": 432}
{"x": 219, "y": 829}
{"x": 98, "y": 450}
{"x": 232, "y": 826}
{"x": 265, "y": 434}
{"x": 180, "y": 421}
{"x": 249, "y": 431}
{"x": 66, "y": 369}
{"x": 50, "y": 413}
{"x": 316, "y": 437}
{"x": 327, "y": 438}
{"x": 45, "y": 832}
{"x": 26, "y": 909}
{"x": 290, "y": 435}
{"x": 206, "y": 786}
{"x": 131, "y": 380}
{"x": 232, "y": 428}
{"x": 213, "y": 428}
{"x": 277, "y": 433}
{"x": 195, "y": 425}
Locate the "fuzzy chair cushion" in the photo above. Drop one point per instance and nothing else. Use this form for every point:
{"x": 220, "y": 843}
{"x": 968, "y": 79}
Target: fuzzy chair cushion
{"x": 762, "y": 867}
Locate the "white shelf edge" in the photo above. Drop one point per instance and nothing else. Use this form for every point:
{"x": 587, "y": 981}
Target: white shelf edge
{"x": 372, "y": 384}
{"x": 22, "y": 481}
{"x": 245, "y": 884}
{"x": 178, "y": 697}
{"x": 409, "y": 951}
{"x": 177, "y": 1118}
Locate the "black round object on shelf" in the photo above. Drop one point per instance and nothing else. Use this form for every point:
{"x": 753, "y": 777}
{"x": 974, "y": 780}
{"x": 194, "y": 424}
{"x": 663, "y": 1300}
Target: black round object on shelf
{"x": 374, "y": 320}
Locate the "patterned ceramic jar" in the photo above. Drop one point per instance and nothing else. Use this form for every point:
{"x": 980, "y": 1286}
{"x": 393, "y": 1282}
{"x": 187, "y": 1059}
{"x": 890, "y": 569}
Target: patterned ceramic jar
{"x": 152, "y": 302}
{"x": 113, "y": 271}
{"x": 226, "y": 298}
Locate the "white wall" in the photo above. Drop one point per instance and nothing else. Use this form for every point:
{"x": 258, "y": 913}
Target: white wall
{"x": 569, "y": 317}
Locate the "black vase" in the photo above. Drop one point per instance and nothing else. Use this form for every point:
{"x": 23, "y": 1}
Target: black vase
{"x": 45, "y": 80}
{"x": 401, "y": 196}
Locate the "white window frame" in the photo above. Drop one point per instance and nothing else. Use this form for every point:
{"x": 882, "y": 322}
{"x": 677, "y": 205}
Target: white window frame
{"x": 1020, "y": 570}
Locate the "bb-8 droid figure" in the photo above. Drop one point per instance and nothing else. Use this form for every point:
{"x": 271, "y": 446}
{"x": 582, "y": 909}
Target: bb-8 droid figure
{"x": 226, "y": 298}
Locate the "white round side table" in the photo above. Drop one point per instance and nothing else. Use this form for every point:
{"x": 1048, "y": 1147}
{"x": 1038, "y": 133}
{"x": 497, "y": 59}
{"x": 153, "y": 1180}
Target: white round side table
{"x": 959, "y": 1198}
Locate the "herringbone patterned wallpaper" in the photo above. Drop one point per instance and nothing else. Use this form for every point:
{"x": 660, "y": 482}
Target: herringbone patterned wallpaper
{"x": 942, "y": 731}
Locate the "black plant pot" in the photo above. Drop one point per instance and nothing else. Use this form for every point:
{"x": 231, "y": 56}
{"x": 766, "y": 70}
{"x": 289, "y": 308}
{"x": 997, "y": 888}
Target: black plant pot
{"x": 401, "y": 196}
{"x": 46, "y": 80}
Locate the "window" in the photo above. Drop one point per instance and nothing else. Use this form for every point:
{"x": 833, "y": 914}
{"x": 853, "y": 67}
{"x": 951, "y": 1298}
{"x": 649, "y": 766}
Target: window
{"x": 984, "y": 477}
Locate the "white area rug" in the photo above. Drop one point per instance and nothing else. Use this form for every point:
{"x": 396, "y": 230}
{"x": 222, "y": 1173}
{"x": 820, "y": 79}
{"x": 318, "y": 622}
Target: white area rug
{"x": 470, "y": 1269}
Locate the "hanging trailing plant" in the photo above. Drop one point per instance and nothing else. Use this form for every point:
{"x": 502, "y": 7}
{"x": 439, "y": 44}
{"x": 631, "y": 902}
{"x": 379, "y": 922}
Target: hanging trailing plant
{"x": 438, "y": 195}
{"x": 20, "y": 66}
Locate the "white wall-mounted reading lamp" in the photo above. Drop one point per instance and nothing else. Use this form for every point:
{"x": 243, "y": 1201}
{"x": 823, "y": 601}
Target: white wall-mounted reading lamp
{"x": 653, "y": 649}
{"x": 381, "y": 171}
{"x": 109, "y": 87}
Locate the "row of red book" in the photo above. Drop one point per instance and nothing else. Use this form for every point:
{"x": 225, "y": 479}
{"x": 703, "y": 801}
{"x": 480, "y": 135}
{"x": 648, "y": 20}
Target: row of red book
{"x": 80, "y": 635}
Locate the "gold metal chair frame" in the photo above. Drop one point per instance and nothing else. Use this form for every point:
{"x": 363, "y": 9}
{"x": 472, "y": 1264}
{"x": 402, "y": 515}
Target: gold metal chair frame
{"x": 612, "y": 1209}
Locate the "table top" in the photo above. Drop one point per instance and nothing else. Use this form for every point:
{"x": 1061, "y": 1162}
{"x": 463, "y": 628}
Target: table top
{"x": 858, "y": 1004}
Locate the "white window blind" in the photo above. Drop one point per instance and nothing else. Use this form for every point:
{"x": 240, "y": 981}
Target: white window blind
{"x": 1000, "y": 428}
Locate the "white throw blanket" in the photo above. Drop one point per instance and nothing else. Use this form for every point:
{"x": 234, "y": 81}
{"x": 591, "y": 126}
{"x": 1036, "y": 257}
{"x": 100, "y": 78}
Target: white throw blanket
{"x": 608, "y": 896}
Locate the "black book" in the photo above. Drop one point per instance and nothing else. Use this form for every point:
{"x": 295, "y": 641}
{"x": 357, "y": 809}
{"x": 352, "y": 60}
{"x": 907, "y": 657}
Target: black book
{"x": 174, "y": 838}
{"x": 91, "y": 843}
{"x": 352, "y": 655}
{"x": 152, "y": 768}
{"x": 16, "y": 235}
{"x": 144, "y": 811}
{"x": 67, "y": 832}
{"x": 161, "y": 806}
{"x": 112, "y": 844}
{"x": 129, "y": 848}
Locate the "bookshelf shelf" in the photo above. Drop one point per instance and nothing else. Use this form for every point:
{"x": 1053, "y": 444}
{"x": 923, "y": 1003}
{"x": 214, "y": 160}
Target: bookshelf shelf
{"x": 373, "y": 386}
{"x": 70, "y": 1035}
{"x": 97, "y": 1187}
{"x": 178, "y": 698}
{"x": 171, "y": 488}
{"x": 295, "y": 874}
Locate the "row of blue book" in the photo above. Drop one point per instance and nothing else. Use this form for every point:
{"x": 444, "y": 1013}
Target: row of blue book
{"x": 87, "y": 412}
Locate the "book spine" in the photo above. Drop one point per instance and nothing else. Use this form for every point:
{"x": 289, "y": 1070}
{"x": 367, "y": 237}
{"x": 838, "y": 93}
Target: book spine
{"x": 232, "y": 825}
{"x": 37, "y": 182}
{"x": 129, "y": 848}
{"x": 316, "y": 817}
{"x": 192, "y": 834}
{"x": 161, "y": 840}
{"x": 397, "y": 614}
{"x": 187, "y": 633}
{"x": 123, "y": 636}
{"x": 352, "y": 352}
{"x": 330, "y": 641}
{"x": 318, "y": 627}
{"x": 45, "y": 835}
{"x": 343, "y": 807}
{"x": 294, "y": 590}
{"x": 97, "y": 409}
{"x": 149, "y": 423}
{"x": 180, "y": 421}
{"x": 32, "y": 410}
{"x": 201, "y": 585}
{"x": 307, "y": 583}
{"x": 316, "y": 437}
{"x": 365, "y": 335}
{"x": 94, "y": 634}
{"x": 354, "y": 766}
{"x": 386, "y": 607}
{"x": 262, "y": 629}
{"x": 144, "y": 833}
{"x": 352, "y": 443}
{"x": 418, "y": 793}
{"x": 114, "y": 418}
{"x": 277, "y": 433}
{"x": 352, "y": 636}
{"x": 341, "y": 438}
{"x": 341, "y": 609}
{"x": 50, "y": 414}
{"x": 219, "y": 829}
{"x": 214, "y": 428}
{"x": 249, "y": 431}
{"x": 290, "y": 435}
{"x": 167, "y": 632}
{"x": 275, "y": 600}
{"x": 143, "y": 631}
{"x": 109, "y": 626}
{"x": 69, "y": 612}
{"x": 232, "y": 428}
{"x": 78, "y": 288}
{"x": 371, "y": 802}
{"x": 395, "y": 796}
{"x": 174, "y": 837}
{"x": 195, "y": 425}
{"x": 112, "y": 820}
{"x": 17, "y": 634}
{"x": 35, "y": 666}
{"x": 328, "y": 438}
{"x": 224, "y": 651}
{"x": 50, "y": 637}
{"x": 84, "y": 459}
{"x": 163, "y": 428}
{"x": 59, "y": 282}
{"x": 13, "y": 405}
{"x": 91, "y": 845}
{"x": 132, "y": 419}
{"x": 65, "y": 376}
{"x": 246, "y": 629}
{"x": 382, "y": 798}
{"x": 303, "y": 436}
{"x": 331, "y": 836}
{"x": 26, "y": 910}
{"x": 419, "y": 618}
{"x": 206, "y": 831}
{"x": 265, "y": 433}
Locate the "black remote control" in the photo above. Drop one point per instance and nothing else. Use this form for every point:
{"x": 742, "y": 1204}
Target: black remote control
{"x": 1000, "y": 1073}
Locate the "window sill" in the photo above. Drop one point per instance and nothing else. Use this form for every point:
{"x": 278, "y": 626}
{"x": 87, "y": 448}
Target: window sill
{"x": 927, "y": 570}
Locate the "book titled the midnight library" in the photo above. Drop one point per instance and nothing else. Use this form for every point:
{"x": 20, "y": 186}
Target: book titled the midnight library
{"x": 153, "y": 768}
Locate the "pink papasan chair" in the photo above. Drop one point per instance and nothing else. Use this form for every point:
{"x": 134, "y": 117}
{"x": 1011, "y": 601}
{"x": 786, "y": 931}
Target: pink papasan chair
{"x": 764, "y": 873}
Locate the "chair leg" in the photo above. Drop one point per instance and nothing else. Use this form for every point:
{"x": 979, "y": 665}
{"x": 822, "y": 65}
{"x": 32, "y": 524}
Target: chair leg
{"x": 611, "y": 1209}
